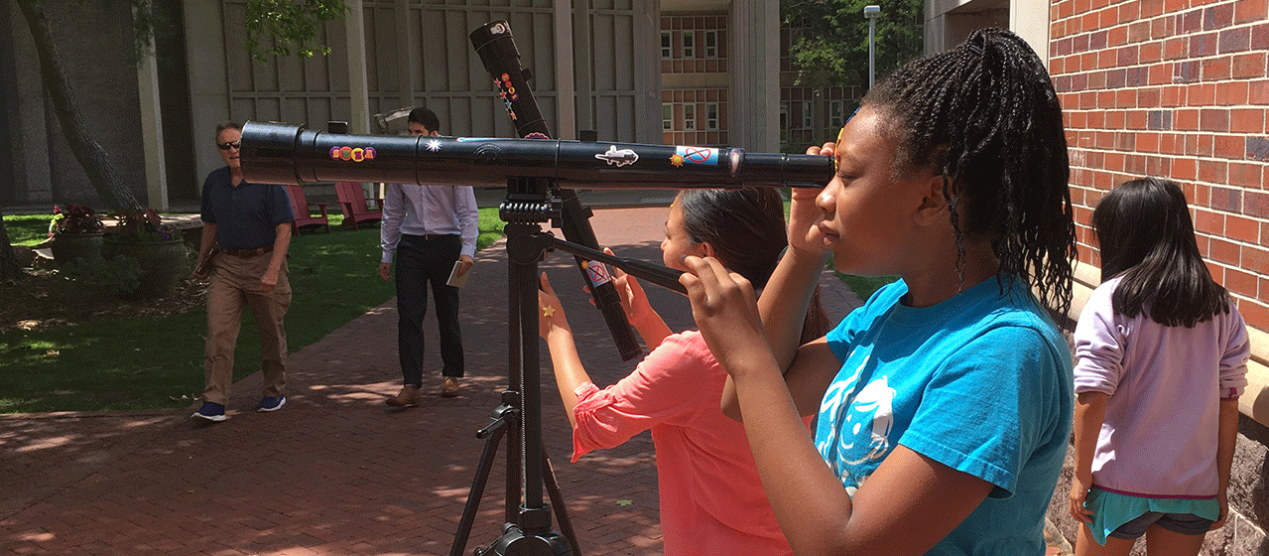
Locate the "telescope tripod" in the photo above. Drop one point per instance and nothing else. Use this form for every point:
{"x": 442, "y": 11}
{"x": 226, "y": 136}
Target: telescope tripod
{"x": 527, "y": 531}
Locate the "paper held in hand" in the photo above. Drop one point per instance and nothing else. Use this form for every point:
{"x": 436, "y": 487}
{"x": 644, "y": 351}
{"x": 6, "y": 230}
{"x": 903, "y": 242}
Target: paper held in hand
{"x": 456, "y": 280}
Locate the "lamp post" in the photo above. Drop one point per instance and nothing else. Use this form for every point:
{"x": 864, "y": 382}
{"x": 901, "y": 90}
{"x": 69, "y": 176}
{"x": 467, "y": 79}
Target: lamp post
{"x": 871, "y": 12}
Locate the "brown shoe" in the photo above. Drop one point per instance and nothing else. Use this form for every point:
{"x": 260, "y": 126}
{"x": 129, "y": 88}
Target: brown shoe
{"x": 450, "y": 388}
{"x": 408, "y": 395}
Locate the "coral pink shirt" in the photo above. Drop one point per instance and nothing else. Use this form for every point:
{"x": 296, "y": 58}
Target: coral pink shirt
{"x": 712, "y": 502}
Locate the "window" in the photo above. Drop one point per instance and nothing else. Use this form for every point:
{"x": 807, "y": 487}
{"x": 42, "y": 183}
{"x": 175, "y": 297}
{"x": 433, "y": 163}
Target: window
{"x": 689, "y": 117}
{"x": 807, "y": 121}
{"x": 689, "y": 44}
{"x": 666, "y": 51}
{"x": 711, "y": 116}
{"x": 711, "y": 44}
{"x": 667, "y": 116}
{"x": 835, "y": 112}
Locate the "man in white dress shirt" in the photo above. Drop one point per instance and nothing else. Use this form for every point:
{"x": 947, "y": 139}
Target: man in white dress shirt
{"x": 429, "y": 228}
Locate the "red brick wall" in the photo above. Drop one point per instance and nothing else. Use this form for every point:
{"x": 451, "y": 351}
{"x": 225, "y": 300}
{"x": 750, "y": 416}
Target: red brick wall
{"x": 1175, "y": 89}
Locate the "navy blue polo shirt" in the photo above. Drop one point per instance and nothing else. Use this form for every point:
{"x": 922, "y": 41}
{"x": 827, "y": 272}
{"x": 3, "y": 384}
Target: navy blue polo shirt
{"x": 247, "y": 216}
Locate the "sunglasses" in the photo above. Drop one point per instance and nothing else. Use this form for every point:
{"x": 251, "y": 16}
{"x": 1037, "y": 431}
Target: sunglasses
{"x": 230, "y": 145}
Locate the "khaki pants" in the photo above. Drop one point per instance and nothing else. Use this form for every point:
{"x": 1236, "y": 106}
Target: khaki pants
{"x": 235, "y": 284}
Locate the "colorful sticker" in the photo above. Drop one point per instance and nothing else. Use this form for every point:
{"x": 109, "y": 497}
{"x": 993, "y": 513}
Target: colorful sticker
{"x": 676, "y": 160}
{"x": 432, "y": 145}
{"x": 537, "y": 135}
{"x": 697, "y": 155}
{"x": 597, "y": 273}
{"x": 622, "y": 157}
{"x": 354, "y": 154}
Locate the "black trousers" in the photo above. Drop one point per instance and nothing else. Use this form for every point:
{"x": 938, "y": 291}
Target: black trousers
{"x": 422, "y": 261}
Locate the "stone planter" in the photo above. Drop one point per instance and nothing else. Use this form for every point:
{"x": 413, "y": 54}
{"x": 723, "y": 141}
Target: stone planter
{"x": 163, "y": 263}
{"x": 69, "y": 248}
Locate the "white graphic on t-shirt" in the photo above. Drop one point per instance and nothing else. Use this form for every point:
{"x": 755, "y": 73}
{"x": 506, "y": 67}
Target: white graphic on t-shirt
{"x": 873, "y": 405}
{"x": 830, "y": 405}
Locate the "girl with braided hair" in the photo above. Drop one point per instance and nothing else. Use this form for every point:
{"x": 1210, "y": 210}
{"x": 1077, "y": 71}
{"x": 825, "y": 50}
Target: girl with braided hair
{"x": 944, "y": 403}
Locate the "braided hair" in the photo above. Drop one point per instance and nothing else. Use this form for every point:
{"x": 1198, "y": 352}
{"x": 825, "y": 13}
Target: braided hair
{"x": 985, "y": 115}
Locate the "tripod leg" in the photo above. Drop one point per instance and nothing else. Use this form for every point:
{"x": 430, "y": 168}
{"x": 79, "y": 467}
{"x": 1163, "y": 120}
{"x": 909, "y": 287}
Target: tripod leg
{"x": 496, "y": 431}
{"x": 557, "y": 500}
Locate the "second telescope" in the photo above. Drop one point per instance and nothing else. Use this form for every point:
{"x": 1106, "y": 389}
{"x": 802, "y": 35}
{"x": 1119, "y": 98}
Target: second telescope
{"x": 287, "y": 154}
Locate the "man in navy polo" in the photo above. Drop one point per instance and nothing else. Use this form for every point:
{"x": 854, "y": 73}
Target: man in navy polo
{"x": 250, "y": 224}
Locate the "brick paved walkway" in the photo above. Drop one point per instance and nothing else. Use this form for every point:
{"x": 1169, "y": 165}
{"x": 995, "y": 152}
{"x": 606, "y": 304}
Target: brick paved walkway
{"x": 336, "y": 472}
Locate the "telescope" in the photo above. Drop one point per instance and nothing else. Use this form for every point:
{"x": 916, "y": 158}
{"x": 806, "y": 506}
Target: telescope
{"x": 288, "y": 154}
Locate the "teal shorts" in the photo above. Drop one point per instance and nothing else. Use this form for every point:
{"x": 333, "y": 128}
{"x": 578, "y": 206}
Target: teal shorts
{"x": 1112, "y": 510}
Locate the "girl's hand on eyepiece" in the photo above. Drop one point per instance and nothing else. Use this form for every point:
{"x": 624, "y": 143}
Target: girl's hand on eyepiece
{"x": 726, "y": 311}
{"x": 804, "y": 214}
{"x": 550, "y": 313}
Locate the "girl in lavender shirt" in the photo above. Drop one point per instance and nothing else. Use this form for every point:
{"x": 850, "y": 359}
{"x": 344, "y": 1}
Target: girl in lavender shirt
{"x": 1161, "y": 359}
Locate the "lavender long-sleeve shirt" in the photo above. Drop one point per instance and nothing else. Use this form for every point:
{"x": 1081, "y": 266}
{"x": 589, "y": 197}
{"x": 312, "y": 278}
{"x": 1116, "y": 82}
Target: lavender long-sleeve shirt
{"x": 428, "y": 209}
{"x": 1165, "y": 383}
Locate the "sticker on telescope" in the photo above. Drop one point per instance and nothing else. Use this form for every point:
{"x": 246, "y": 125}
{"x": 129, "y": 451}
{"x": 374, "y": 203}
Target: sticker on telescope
{"x": 676, "y": 160}
{"x": 597, "y": 273}
{"x": 697, "y": 155}
{"x": 433, "y": 145}
{"x": 622, "y": 157}
{"x": 354, "y": 154}
{"x": 536, "y": 135}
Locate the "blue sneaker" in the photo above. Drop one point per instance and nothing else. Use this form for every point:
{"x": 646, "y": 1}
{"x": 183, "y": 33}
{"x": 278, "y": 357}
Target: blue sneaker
{"x": 211, "y": 411}
{"x": 271, "y": 403}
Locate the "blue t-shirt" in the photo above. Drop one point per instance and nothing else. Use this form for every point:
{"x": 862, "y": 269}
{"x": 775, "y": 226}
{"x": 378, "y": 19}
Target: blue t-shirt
{"x": 980, "y": 383}
{"x": 247, "y": 216}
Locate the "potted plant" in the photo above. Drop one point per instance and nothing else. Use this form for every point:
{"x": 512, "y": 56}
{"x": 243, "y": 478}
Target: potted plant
{"x": 75, "y": 234}
{"x": 157, "y": 247}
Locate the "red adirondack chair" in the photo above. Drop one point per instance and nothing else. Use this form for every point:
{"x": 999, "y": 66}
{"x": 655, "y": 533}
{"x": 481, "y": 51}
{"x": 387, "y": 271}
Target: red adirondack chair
{"x": 356, "y": 207}
{"x": 304, "y": 217}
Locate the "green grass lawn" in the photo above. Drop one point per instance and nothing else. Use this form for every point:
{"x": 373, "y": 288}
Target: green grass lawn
{"x": 27, "y": 229}
{"x": 157, "y": 362}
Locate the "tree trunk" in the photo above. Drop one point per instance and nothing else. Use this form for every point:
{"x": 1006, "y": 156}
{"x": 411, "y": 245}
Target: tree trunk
{"x": 103, "y": 175}
{"x": 9, "y": 269}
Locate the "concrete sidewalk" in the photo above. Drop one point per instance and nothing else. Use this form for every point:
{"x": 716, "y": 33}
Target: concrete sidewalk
{"x": 336, "y": 472}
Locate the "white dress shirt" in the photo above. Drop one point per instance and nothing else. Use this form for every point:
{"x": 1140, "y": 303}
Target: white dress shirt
{"x": 428, "y": 210}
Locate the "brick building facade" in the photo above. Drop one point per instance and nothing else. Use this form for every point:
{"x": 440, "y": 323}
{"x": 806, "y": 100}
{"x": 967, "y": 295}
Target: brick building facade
{"x": 1177, "y": 89}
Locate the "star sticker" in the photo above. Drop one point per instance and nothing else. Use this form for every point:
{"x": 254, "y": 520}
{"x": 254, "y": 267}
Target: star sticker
{"x": 676, "y": 160}
{"x": 433, "y": 145}
{"x": 548, "y": 311}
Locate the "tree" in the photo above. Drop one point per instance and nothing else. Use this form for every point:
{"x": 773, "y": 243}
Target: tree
{"x": 830, "y": 38}
{"x": 282, "y": 22}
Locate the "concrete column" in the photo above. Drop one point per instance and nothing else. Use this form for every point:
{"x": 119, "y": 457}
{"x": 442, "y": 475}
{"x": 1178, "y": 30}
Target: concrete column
{"x": 407, "y": 58}
{"x": 581, "y": 66}
{"x": 1023, "y": 20}
{"x": 33, "y": 179}
{"x": 208, "y": 81}
{"x": 564, "y": 70}
{"x": 754, "y": 64}
{"x": 355, "y": 30}
{"x": 152, "y": 133}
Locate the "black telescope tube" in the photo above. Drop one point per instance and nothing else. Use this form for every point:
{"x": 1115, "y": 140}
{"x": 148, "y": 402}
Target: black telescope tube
{"x": 287, "y": 154}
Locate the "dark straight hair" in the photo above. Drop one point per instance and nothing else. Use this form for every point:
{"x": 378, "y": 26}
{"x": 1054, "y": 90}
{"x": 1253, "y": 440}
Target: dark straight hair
{"x": 425, "y": 116}
{"x": 747, "y": 231}
{"x": 1146, "y": 235}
